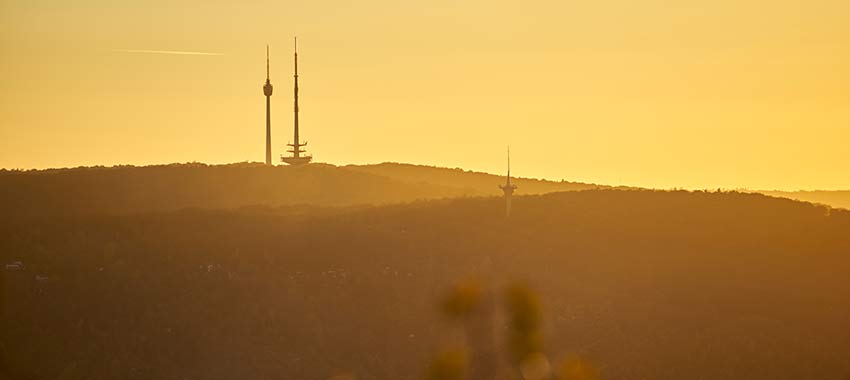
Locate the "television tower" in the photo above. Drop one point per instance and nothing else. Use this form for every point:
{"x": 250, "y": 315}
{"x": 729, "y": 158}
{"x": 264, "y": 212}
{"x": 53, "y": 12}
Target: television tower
{"x": 296, "y": 158}
{"x": 508, "y": 187}
{"x": 267, "y": 90}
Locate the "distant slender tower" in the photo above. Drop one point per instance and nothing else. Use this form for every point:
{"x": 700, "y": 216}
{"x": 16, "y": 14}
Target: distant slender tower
{"x": 296, "y": 158}
{"x": 267, "y": 89}
{"x": 508, "y": 187}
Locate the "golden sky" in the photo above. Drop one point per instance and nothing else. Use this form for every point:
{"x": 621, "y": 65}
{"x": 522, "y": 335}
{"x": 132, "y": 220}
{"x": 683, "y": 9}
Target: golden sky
{"x": 659, "y": 93}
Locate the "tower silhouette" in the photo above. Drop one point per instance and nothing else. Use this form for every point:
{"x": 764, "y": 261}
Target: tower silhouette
{"x": 508, "y": 188}
{"x": 267, "y": 90}
{"x": 296, "y": 158}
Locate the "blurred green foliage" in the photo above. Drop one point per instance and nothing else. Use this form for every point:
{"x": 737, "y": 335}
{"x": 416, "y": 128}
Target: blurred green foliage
{"x": 448, "y": 365}
{"x": 524, "y": 321}
{"x": 524, "y": 339}
{"x": 576, "y": 368}
{"x": 463, "y": 299}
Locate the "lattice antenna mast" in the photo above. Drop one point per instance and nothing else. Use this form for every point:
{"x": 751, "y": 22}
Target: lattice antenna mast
{"x": 297, "y": 158}
{"x": 296, "y": 145}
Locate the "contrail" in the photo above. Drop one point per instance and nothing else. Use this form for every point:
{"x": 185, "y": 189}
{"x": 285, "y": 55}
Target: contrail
{"x": 165, "y": 52}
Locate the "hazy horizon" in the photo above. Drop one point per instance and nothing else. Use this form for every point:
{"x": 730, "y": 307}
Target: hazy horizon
{"x": 692, "y": 95}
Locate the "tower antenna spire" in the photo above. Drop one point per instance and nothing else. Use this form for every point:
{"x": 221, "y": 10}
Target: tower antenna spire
{"x": 267, "y": 61}
{"x": 509, "y": 164}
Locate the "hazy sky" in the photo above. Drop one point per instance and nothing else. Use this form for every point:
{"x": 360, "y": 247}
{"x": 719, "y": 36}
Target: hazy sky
{"x": 658, "y": 93}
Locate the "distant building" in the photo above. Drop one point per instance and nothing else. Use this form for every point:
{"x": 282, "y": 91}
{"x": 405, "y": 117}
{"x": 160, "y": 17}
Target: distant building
{"x": 15, "y": 266}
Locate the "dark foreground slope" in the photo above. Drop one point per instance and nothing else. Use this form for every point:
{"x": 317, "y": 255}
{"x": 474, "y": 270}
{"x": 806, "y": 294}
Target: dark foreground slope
{"x": 129, "y": 189}
{"x": 654, "y": 285}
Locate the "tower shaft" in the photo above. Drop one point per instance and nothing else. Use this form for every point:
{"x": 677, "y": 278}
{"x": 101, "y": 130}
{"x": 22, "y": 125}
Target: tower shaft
{"x": 268, "y": 130}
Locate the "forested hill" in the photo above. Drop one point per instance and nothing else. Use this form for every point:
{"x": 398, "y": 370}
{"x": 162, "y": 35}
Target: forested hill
{"x": 125, "y": 189}
{"x": 644, "y": 284}
{"x": 473, "y": 183}
{"x": 834, "y": 198}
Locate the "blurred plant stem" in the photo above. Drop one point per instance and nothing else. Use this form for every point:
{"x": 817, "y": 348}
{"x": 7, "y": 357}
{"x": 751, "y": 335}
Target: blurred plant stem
{"x": 474, "y": 308}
